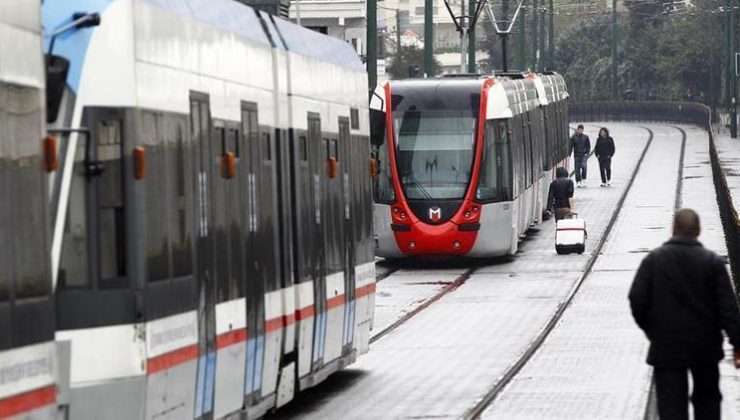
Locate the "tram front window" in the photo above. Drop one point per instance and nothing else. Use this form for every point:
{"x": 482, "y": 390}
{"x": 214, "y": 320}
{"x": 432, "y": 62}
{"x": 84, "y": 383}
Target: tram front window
{"x": 435, "y": 153}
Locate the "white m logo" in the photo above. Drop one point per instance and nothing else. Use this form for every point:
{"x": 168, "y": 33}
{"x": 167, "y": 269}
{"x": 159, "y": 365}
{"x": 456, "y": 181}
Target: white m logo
{"x": 435, "y": 213}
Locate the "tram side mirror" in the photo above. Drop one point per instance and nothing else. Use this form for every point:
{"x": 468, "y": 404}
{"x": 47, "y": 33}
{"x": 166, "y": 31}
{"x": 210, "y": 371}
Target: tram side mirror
{"x": 377, "y": 127}
{"x": 228, "y": 164}
{"x": 57, "y": 69}
{"x": 332, "y": 167}
{"x": 85, "y": 20}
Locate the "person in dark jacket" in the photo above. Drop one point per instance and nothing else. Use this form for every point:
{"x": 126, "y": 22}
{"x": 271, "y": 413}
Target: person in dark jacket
{"x": 604, "y": 151}
{"x": 580, "y": 144}
{"x": 560, "y": 197}
{"x": 682, "y": 299}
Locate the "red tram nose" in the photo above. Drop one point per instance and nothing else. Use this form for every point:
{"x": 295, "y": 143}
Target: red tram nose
{"x": 437, "y": 229}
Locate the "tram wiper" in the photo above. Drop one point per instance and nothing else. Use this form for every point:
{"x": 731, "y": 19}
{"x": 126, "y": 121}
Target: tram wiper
{"x": 416, "y": 184}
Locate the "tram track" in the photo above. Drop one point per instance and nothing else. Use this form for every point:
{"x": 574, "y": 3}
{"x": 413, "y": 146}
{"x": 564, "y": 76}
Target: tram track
{"x": 513, "y": 369}
{"x": 651, "y": 408}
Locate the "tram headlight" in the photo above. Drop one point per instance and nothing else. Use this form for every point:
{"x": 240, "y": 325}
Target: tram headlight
{"x": 412, "y": 244}
{"x": 456, "y": 244}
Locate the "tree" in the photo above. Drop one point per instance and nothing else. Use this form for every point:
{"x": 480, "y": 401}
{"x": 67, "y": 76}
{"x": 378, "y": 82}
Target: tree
{"x": 662, "y": 52}
{"x": 406, "y": 58}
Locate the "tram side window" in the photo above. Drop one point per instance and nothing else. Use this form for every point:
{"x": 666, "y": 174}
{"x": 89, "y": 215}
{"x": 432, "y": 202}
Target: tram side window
{"x": 155, "y": 186}
{"x": 517, "y": 142}
{"x": 382, "y": 182}
{"x": 73, "y": 266}
{"x": 110, "y": 201}
{"x": 20, "y": 162}
{"x": 267, "y": 145}
{"x": 303, "y": 145}
{"x": 494, "y": 183}
{"x": 545, "y": 146}
{"x": 526, "y": 129}
{"x": 179, "y": 148}
{"x": 250, "y": 131}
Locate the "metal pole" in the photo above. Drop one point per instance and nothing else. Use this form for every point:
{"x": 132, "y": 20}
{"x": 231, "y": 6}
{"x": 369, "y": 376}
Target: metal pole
{"x": 372, "y": 44}
{"x": 463, "y": 33}
{"x": 542, "y": 44}
{"x": 504, "y": 59}
{"x": 733, "y": 79}
{"x": 535, "y": 50}
{"x": 428, "y": 38}
{"x": 471, "y": 38}
{"x": 727, "y": 56}
{"x": 521, "y": 55}
{"x": 398, "y": 31}
{"x": 551, "y": 39}
{"x": 615, "y": 88}
{"x": 298, "y": 12}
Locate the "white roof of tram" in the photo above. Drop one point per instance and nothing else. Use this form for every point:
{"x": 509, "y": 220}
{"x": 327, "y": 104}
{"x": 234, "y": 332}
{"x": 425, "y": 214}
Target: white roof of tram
{"x": 508, "y": 97}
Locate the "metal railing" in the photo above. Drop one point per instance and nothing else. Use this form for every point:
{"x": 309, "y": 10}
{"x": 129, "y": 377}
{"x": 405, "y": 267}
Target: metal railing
{"x": 682, "y": 113}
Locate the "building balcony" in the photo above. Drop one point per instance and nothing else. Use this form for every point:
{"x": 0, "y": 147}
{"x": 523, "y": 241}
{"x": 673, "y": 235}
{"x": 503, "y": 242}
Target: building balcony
{"x": 322, "y": 9}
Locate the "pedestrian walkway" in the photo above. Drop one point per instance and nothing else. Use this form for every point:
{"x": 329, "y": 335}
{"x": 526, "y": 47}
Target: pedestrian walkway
{"x": 728, "y": 151}
{"x": 592, "y": 366}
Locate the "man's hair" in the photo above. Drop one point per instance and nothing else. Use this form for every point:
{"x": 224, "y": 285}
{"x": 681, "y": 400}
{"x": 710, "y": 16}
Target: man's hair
{"x": 686, "y": 223}
{"x": 580, "y": 125}
{"x": 561, "y": 172}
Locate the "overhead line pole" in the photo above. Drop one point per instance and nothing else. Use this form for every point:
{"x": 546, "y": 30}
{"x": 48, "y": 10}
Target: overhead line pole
{"x": 371, "y": 57}
{"x": 615, "y": 88}
{"x": 471, "y": 36}
{"x": 535, "y": 49}
{"x": 551, "y": 38}
{"x": 727, "y": 56}
{"x": 428, "y": 38}
{"x": 541, "y": 48}
{"x": 522, "y": 53}
{"x": 463, "y": 33}
{"x": 733, "y": 75}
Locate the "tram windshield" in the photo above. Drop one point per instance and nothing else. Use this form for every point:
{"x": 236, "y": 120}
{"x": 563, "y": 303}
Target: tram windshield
{"x": 434, "y": 152}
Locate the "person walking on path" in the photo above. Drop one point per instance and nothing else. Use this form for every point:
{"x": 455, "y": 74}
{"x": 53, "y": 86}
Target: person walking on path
{"x": 681, "y": 297}
{"x": 604, "y": 150}
{"x": 580, "y": 144}
{"x": 560, "y": 197}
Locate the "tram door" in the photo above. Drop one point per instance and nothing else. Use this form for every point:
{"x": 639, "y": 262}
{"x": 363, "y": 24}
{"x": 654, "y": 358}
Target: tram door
{"x": 255, "y": 153}
{"x": 318, "y": 147}
{"x": 333, "y": 240}
{"x": 346, "y": 166}
{"x": 205, "y": 169}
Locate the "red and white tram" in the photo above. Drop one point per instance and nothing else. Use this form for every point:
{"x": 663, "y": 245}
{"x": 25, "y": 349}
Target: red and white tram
{"x": 462, "y": 165}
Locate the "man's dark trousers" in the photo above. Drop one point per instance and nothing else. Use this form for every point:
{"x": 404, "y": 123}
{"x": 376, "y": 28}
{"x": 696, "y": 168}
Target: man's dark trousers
{"x": 672, "y": 389}
{"x": 580, "y": 165}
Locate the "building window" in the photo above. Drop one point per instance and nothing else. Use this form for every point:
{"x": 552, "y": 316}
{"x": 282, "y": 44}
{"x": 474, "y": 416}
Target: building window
{"x": 354, "y": 117}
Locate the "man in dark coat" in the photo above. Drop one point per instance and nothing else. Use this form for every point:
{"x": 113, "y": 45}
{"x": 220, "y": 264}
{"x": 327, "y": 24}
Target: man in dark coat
{"x": 604, "y": 151}
{"x": 682, "y": 298}
{"x": 580, "y": 144}
{"x": 560, "y": 196}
